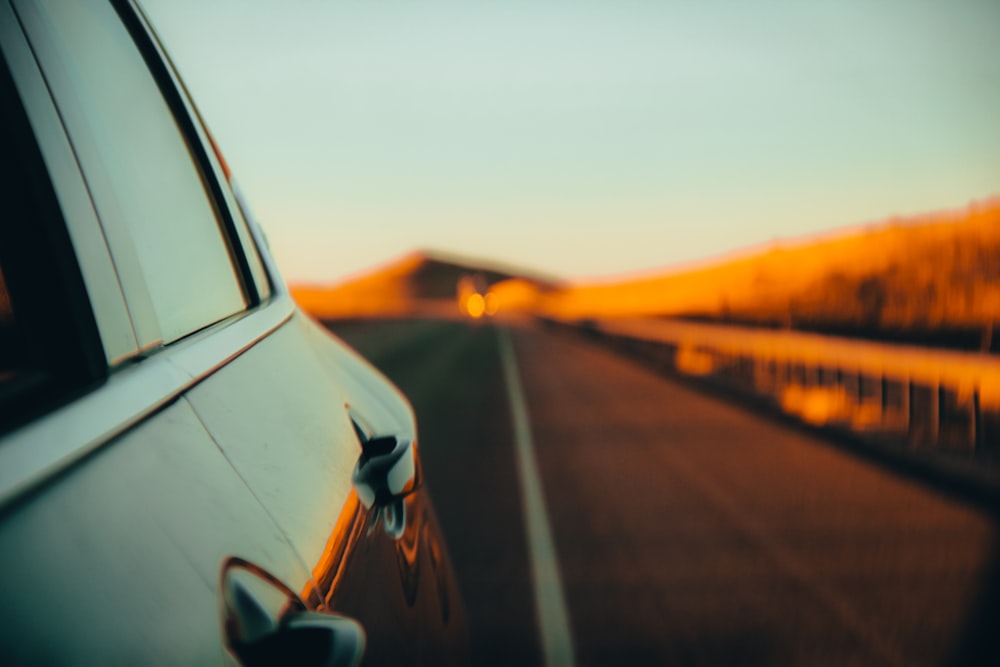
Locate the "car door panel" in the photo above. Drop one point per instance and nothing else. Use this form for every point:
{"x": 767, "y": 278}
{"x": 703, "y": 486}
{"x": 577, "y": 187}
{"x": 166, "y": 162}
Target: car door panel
{"x": 282, "y": 414}
{"x": 122, "y": 551}
{"x": 422, "y": 570}
{"x": 284, "y": 428}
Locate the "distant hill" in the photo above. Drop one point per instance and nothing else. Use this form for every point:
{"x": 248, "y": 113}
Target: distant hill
{"x": 419, "y": 283}
{"x": 928, "y": 279}
{"x": 923, "y": 278}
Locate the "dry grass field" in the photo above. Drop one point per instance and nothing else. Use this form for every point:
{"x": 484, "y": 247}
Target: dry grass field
{"x": 931, "y": 279}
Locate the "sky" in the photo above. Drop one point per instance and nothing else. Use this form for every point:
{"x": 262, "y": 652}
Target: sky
{"x": 587, "y": 138}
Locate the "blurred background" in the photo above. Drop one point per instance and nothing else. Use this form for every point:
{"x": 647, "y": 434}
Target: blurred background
{"x": 729, "y": 272}
{"x": 588, "y": 139}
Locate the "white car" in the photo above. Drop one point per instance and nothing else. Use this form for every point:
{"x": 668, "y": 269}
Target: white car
{"x": 191, "y": 470}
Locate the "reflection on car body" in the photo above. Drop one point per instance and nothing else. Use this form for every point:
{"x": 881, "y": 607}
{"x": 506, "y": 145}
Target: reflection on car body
{"x": 177, "y": 440}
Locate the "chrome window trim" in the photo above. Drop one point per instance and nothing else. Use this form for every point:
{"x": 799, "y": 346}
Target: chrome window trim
{"x": 39, "y": 450}
{"x": 278, "y": 287}
{"x": 200, "y": 355}
{"x": 90, "y": 245}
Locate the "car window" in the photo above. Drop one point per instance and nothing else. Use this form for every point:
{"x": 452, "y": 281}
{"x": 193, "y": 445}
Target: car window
{"x": 163, "y": 231}
{"x": 14, "y": 356}
{"x": 49, "y": 343}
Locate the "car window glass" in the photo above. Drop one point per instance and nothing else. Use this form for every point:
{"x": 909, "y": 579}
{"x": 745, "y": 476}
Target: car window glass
{"x": 12, "y": 345}
{"x": 163, "y": 232}
{"x": 21, "y": 370}
{"x": 49, "y": 342}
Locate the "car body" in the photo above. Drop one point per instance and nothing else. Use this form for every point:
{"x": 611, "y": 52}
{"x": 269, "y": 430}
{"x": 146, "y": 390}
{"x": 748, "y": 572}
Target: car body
{"x": 191, "y": 470}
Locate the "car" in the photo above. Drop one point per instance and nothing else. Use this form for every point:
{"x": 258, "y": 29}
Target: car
{"x": 192, "y": 471}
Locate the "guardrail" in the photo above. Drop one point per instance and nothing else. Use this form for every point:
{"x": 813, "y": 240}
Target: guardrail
{"x": 921, "y": 397}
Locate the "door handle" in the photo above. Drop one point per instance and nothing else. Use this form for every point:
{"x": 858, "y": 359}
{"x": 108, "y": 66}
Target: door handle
{"x": 266, "y": 623}
{"x": 387, "y": 470}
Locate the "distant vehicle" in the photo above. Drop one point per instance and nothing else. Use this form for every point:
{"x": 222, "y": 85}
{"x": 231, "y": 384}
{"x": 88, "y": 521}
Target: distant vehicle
{"x": 191, "y": 470}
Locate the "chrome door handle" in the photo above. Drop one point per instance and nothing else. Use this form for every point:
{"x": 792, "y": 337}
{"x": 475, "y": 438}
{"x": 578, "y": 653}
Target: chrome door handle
{"x": 388, "y": 470}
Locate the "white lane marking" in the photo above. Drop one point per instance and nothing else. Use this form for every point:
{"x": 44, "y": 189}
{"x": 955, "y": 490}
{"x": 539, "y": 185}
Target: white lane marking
{"x": 550, "y": 603}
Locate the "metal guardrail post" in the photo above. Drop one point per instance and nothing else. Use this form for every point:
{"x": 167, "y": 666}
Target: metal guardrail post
{"x": 937, "y": 405}
{"x": 908, "y": 395}
{"x": 976, "y": 423}
{"x": 979, "y": 423}
{"x": 844, "y": 380}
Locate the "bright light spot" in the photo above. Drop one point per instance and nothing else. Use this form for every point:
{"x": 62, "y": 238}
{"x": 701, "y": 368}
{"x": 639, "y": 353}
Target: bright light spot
{"x": 492, "y": 303}
{"x": 475, "y": 305}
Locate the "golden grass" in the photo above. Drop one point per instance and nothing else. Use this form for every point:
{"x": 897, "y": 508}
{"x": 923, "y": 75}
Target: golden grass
{"x": 384, "y": 291}
{"x": 925, "y": 272}
{"x": 928, "y": 270}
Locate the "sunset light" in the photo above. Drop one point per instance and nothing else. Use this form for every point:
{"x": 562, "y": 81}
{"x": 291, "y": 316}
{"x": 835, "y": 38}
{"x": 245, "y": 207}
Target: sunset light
{"x": 693, "y": 307}
{"x": 592, "y": 139}
{"x": 475, "y": 306}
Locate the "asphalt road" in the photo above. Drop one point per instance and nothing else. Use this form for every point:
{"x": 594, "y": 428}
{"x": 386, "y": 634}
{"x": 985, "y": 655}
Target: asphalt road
{"x": 687, "y": 530}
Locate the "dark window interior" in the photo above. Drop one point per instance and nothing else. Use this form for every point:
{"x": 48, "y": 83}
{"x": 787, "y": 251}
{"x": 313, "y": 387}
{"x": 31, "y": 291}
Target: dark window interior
{"x": 14, "y": 348}
{"x": 49, "y": 346}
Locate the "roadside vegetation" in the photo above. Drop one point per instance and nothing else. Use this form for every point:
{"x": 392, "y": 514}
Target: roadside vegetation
{"x": 932, "y": 279}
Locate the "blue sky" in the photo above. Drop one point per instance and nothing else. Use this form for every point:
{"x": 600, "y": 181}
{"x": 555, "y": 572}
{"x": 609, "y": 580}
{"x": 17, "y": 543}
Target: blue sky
{"x": 588, "y": 138}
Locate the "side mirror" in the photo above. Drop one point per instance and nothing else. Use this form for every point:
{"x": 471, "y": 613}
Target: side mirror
{"x": 265, "y": 623}
{"x": 387, "y": 471}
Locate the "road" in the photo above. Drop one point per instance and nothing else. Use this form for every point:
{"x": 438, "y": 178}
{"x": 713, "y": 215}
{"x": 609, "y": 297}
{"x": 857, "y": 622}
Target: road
{"x": 686, "y": 530}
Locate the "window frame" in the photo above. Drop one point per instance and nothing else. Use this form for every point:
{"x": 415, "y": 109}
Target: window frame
{"x": 129, "y": 384}
{"x": 235, "y": 238}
